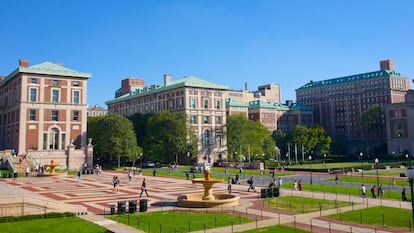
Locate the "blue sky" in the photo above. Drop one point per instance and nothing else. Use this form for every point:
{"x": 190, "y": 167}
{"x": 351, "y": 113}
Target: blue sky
{"x": 228, "y": 42}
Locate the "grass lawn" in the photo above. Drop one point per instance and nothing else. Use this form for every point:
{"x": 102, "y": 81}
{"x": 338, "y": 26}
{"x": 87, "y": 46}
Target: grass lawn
{"x": 372, "y": 180}
{"x": 378, "y": 216}
{"x": 49, "y": 225}
{"x": 303, "y": 205}
{"x": 276, "y": 228}
{"x": 171, "y": 221}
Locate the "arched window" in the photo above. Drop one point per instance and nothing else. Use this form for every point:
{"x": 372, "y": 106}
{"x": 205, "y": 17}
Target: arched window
{"x": 54, "y": 139}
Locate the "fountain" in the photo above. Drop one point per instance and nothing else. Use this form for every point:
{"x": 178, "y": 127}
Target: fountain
{"x": 52, "y": 166}
{"x": 208, "y": 199}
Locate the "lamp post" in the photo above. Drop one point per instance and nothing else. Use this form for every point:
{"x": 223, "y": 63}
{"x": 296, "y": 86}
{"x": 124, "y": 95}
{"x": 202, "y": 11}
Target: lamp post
{"x": 376, "y": 164}
{"x": 362, "y": 169}
{"x": 310, "y": 166}
{"x": 410, "y": 174}
{"x": 324, "y": 160}
{"x": 140, "y": 155}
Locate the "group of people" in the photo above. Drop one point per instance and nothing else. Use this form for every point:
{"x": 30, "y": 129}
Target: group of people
{"x": 297, "y": 185}
{"x": 374, "y": 191}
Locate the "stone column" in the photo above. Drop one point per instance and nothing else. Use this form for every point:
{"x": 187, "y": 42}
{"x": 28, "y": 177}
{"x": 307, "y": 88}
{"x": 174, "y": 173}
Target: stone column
{"x": 89, "y": 153}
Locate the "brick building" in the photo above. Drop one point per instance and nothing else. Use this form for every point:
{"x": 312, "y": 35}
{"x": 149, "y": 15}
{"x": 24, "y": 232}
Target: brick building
{"x": 203, "y": 103}
{"x": 340, "y": 102}
{"x": 43, "y": 114}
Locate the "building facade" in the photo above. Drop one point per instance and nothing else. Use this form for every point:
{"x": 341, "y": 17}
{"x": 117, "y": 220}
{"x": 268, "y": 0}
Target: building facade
{"x": 96, "y": 110}
{"x": 340, "y": 102}
{"x": 266, "y": 93}
{"x": 43, "y": 114}
{"x": 400, "y": 126}
{"x": 203, "y": 103}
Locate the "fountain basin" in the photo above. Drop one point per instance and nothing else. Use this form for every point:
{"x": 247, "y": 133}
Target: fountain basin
{"x": 220, "y": 200}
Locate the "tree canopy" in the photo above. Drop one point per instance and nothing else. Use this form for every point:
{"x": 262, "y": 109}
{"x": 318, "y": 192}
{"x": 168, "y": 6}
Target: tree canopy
{"x": 113, "y": 137}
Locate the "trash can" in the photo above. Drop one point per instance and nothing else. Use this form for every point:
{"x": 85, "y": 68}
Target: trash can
{"x": 112, "y": 209}
{"x": 4, "y": 175}
{"x": 15, "y": 175}
{"x": 132, "y": 206}
{"x": 10, "y": 175}
{"x": 121, "y": 207}
{"x": 275, "y": 192}
{"x": 143, "y": 205}
{"x": 263, "y": 193}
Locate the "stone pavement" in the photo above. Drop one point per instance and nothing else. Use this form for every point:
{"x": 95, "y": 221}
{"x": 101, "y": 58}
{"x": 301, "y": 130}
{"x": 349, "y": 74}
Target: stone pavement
{"x": 95, "y": 193}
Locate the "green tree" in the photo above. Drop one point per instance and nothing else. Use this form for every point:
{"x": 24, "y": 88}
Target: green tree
{"x": 113, "y": 136}
{"x": 166, "y": 137}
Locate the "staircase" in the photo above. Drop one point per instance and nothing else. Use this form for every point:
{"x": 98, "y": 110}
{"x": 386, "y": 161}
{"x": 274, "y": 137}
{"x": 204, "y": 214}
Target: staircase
{"x": 20, "y": 163}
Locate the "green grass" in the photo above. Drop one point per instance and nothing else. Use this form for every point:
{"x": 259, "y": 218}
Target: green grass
{"x": 171, "y": 221}
{"x": 277, "y": 228}
{"x": 303, "y": 205}
{"x": 372, "y": 180}
{"x": 55, "y": 225}
{"x": 378, "y": 216}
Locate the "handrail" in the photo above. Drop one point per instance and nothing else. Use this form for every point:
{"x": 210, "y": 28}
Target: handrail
{"x": 33, "y": 160}
{"x": 11, "y": 164}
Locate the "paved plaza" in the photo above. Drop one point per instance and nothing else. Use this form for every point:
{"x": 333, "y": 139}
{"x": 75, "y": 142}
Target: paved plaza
{"x": 95, "y": 193}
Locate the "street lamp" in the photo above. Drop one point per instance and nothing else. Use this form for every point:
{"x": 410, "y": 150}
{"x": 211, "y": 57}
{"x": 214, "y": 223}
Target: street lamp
{"x": 362, "y": 169}
{"x": 324, "y": 160}
{"x": 140, "y": 155}
{"x": 410, "y": 174}
{"x": 310, "y": 166}
{"x": 376, "y": 164}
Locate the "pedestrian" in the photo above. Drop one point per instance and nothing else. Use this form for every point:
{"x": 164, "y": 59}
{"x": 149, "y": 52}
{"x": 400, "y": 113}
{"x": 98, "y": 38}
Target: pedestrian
{"x": 129, "y": 176}
{"x": 336, "y": 178}
{"x": 237, "y": 179}
{"x": 229, "y": 185}
{"x": 27, "y": 171}
{"x": 363, "y": 191}
{"x": 393, "y": 182}
{"x": 300, "y": 185}
{"x": 295, "y": 185}
{"x": 251, "y": 184}
{"x": 115, "y": 183}
{"x": 187, "y": 175}
{"x": 373, "y": 192}
{"x": 154, "y": 172}
{"x": 80, "y": 175}
{"x": 241, "y": 170}
{"x": 380, "y": 192}
{"x": 280, "y": 182}
{"x": 403, "y": 197}
{"x": 143, "y": 188}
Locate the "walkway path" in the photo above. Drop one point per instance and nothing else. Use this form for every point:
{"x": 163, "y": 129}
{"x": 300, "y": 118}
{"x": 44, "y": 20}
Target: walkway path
{"x": 95, "y": 193}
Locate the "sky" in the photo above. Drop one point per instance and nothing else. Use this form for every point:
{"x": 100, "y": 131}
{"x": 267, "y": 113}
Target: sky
{"x": 228, "y": 42}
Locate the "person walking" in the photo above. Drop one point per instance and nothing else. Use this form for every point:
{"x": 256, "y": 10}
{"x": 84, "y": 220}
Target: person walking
{"x": 229, "y": 185}
{"x": 363, "y": 191}
{"x": 295, "y": 185}
{"x": 143, "y": 188}
{"x": 251, "y": 184}
{"x": 381, "y": 192}
{"x": 403, "y": 196}
{"x": 373, "y": 192}
{"x": 300, "y": 185}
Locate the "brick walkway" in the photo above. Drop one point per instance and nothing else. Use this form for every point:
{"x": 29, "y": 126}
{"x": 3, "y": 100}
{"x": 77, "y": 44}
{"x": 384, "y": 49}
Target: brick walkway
{"x": 95, "y": 193}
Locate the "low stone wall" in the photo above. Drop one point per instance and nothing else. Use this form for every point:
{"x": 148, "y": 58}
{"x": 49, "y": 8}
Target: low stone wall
{"x": 25, "y": 205}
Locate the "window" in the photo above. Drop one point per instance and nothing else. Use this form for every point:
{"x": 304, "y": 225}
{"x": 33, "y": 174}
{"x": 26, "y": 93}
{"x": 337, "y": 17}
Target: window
{"x": 76, "y": 83}
{"x": 180, "y": 102}
{"x": 33, "y": 80}
{"x": 75, "y": 115}
{"x": 205, "y": 104}
{"x": 56, "y": 82}
{"x": 217, "y": 104}
{"x": 193, "y": 119}
{"x": 76, "y": 97}
{"x": 206, "y": 138}
{"x": 32, "y": 114}
{"x": 55, "y": 96}
{"x": 205, "y": 119}
{"x": 55, "y": 115}
{"x": 218, "y": 119}
{"x": 33, "y": 94}
{"x": 193, "y": 103}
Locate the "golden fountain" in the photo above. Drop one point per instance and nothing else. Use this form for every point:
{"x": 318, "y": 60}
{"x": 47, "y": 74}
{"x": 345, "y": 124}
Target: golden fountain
{"x": 208, "y": 199}
{"x": 52, "y": 166}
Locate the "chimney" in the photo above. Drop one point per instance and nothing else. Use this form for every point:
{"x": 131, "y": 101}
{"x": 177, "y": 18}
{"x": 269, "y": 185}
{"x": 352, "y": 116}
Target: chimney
{"x": 24, "y": 63}
{"x": 246, "y": 87}
{"x": 167, "y": 79}
{"x": 2, "y": 78}
{"x": 387, "y": 65}
{"x": 289, "y": 103}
